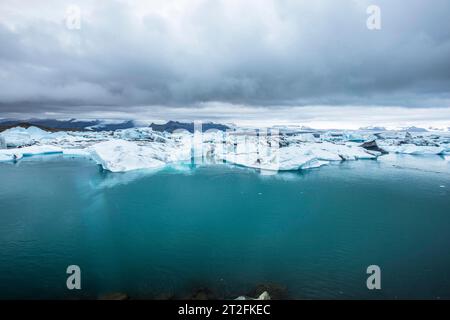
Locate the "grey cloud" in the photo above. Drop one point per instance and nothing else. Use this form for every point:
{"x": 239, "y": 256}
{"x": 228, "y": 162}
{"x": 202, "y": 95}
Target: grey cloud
{"x": 254, "y": 53}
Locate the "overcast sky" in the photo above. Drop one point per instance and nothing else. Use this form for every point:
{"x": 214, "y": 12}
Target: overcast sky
{"x": 252, "y": 57}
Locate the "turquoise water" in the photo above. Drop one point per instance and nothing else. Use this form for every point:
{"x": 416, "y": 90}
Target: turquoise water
{"x": 224, "y": 228}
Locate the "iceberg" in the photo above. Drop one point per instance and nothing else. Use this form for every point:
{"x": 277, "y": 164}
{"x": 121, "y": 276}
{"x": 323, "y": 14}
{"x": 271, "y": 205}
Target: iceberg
{"x": 6, "y": 157}
{"x": 414, "y": 149}
{"x": 18, "y": 153}
{"x": 354, "y": 136}
{"x": 295, "y": 158}
{"x": 18, "y": 136}
{"x": 143, "y": 148}
{"x": 122, "y": 156}
{"x": 37, "y": 150}
{"x": 315, "y": 164}
{"x": 321, "y": 153}
{"x": 303, "y": 137}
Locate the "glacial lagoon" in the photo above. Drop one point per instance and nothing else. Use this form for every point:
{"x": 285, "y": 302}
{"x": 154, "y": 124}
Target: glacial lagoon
{"x": 225, "y": 228}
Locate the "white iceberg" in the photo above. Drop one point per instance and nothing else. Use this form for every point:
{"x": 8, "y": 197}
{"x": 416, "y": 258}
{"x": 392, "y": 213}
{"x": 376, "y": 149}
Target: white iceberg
{"x": 18, "y": 136}
{"x": 6, "y": 157}
{"x": 38, "y": 150}
{"x": 121, "y": 156}
{"x": 143, "y": 148}
{"x": 414, "y": 149}
{"x": 295, "y": 157}
{"x": 18, "y": 153}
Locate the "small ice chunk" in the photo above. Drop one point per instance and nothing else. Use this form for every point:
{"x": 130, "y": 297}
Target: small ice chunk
{"x": 263, "y": 296}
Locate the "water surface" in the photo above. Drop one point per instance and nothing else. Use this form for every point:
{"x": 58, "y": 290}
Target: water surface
{"x": 225, "y": 228}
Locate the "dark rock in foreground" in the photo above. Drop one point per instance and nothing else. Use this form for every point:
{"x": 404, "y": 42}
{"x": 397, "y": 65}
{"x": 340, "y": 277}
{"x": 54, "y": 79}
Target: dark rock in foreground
{"x": 275, "y": 291}
{"x": 114, "y": 296}
{"x": 201, "y": 294}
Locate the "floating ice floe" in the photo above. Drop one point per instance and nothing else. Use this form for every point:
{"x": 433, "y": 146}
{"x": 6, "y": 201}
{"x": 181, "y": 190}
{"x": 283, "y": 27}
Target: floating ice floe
{"x": 121, "y": 156}
{"x": 6, "y": 157}
{"x": 19, "y": 153}
{"x": 143, "y": 148}
{"x": 297, "y": 157}
{"x": 414, "y": 149}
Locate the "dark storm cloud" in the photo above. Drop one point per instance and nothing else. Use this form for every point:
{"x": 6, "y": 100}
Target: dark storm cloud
{"x": 185, "y": 53}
